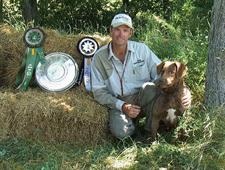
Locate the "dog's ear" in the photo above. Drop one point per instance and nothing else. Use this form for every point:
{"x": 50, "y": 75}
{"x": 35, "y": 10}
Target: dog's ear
{"x": 181, "y": 69}
{"x": 160, "y": 67}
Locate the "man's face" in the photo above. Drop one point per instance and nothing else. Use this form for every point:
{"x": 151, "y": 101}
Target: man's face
{"x": 120, "y": 34}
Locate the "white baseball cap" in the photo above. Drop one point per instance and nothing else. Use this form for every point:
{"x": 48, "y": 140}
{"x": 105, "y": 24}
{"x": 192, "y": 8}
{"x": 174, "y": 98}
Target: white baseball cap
{"x": 121, "y": 19}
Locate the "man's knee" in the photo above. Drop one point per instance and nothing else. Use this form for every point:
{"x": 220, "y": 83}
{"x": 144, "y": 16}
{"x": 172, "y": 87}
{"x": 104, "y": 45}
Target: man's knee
{"x": 121, "y": 126}
{"x": 147, "y": 93}
{"x": 122, "y": 131}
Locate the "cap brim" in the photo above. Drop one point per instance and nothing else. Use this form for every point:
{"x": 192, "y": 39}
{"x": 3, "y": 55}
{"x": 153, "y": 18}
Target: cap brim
{"x": 119, "y": 24}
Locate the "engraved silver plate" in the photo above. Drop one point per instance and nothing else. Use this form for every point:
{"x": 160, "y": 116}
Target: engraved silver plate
{"x": 58, "y": 73}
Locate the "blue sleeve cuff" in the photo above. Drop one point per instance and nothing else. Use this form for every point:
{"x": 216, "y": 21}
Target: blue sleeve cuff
{"x": 119, "y": 104}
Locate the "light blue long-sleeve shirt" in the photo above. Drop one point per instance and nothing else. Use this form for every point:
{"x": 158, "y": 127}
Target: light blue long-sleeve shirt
{"x": 139, "y": 67}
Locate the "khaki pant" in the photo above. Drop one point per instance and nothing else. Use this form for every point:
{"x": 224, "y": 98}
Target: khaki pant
{"x": 122, "y": 126}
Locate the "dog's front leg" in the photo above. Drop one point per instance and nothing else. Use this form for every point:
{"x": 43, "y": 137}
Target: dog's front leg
{"x": 154, "y": 127}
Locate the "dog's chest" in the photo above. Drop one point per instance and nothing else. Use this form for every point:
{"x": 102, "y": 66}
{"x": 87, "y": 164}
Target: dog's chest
{"x": 169, "y": 105}
{"x": 171, "y": 116}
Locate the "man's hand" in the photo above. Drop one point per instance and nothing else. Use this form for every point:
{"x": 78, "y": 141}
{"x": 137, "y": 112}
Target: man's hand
{"x": 131, "y": 110}
{"x": 186, "y": 98}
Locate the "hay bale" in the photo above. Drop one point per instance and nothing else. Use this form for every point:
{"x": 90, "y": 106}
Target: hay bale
{"x": 12, "y": 52}
{"x": 71, "y": 117}
{"x": 13, "y": 49}
{"x": 1, "y": 65}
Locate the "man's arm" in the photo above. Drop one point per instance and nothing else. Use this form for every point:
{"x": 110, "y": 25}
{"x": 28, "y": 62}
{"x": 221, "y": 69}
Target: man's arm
{"x": 100, "y": 90}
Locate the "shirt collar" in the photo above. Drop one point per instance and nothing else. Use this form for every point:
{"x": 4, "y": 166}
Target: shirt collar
{"x": 129, "y": 47}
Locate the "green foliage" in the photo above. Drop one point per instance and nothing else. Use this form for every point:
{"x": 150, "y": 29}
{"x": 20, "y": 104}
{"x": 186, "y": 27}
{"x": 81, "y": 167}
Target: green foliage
{"x": 161, "y": 8}
{"x": 170, "y": 43}
{"x": 12, "y": 14}
{"x": 192, "y": 15}
{"x": 74, "y": 16}
{"x": 96, "y": 15}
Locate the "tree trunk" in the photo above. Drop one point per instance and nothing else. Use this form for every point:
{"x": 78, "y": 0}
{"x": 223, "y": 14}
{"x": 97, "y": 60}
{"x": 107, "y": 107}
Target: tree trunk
{"x": 215, "y": 75}
{"x": 1, "y": 8}
{"x": 30, "y": 11}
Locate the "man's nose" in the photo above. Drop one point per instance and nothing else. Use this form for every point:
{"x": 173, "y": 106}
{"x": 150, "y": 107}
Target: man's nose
{"x": 121, "y": 32}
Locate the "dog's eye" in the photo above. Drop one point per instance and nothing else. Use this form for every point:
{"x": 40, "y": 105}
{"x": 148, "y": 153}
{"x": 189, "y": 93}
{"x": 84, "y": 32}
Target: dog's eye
{"x": 172, "y": 72}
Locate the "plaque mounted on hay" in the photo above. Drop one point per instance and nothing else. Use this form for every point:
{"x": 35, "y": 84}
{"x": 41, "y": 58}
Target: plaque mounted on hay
{"x": 58, "y": 73}
{"x": 87, "y": 46}
{"x": 33, "y": 39}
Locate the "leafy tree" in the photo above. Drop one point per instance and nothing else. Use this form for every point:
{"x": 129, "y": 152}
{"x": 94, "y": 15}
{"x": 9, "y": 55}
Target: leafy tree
{"x": 72, "y": 15}
{"x": 163, "y": 7}
{"x": 125, "y": 5}
{"x": 86, "y": 15}
{"x": 192, "y": 15}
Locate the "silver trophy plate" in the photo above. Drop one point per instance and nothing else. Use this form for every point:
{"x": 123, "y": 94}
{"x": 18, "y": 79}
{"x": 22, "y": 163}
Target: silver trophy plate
{"x": 58, "y": 73}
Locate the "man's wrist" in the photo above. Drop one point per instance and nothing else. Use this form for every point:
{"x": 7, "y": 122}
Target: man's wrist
{"x": 119, "y": 104}
{"x": 124, "y": 108}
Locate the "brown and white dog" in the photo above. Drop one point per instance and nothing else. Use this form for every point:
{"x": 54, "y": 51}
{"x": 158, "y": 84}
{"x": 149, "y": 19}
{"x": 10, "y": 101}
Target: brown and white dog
{"x": 168, "y": 105}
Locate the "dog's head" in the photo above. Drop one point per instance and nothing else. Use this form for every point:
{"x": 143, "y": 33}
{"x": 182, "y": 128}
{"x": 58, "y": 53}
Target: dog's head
{"x": 171, "y": 74}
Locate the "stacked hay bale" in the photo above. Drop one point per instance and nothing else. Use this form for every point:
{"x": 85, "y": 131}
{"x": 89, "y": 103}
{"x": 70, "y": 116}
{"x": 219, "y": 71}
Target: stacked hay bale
{"x": 12, "y": 53}
{"x": 72, "y": 117}
{"x": 14, "y": 49}
{"x": 1, "y": 65}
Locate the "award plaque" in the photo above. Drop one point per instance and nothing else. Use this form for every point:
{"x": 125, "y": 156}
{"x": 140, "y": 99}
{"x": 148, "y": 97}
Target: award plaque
{"x": 58, "y": 73}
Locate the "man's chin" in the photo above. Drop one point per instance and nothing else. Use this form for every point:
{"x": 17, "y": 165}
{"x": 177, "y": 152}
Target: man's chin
{"x": 121, "y": 43}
